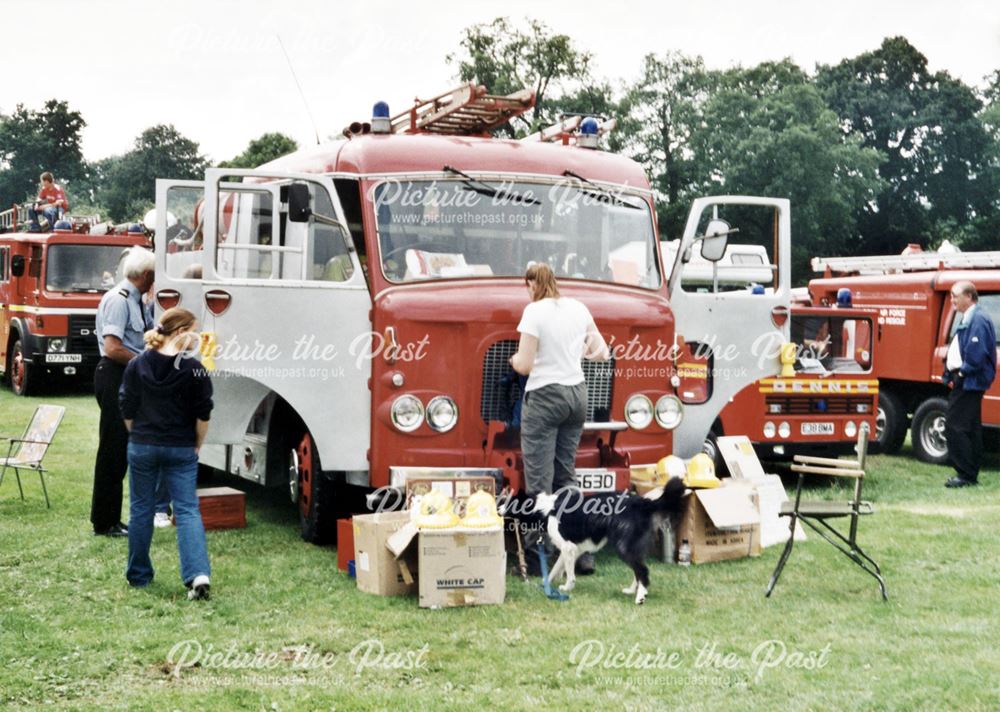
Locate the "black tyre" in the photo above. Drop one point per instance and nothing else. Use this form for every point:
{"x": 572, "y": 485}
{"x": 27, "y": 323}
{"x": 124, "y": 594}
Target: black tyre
{"x": 711, "y": 448}
{"x": 21, "y": 378}
{"x": 929, "y": 443}
{"x": 312, "y": 493}
{"x": 890, "y": 424}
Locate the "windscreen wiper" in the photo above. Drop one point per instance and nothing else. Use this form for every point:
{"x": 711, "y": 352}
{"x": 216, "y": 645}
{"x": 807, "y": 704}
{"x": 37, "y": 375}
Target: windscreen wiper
{"x": 602, "y": 194}
{"x": 478, "y": 186}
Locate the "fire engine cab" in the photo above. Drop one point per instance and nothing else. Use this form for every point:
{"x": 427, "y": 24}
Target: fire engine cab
{"x": 359, "y": 301}
{"x": 50, "y": 286}
{"x": 914, "y": 321}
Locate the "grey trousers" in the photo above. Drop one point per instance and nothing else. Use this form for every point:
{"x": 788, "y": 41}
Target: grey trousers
{"x": 552, "y": 420}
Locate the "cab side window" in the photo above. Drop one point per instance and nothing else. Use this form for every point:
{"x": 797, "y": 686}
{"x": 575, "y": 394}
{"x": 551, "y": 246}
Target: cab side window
{"x": 990, "y": 304}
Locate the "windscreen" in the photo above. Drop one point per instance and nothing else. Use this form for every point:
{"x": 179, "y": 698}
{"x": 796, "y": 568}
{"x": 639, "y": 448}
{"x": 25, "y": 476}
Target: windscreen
{"x": 82, "y": 268}
{"x": 834, "y": 344}
{"x": 477, "y": 228}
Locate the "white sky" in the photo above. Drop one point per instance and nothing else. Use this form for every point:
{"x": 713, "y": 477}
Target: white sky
{"x": 215, "y": 70}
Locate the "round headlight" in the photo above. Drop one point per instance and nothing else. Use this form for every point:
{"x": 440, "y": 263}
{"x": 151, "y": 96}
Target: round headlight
{"x": 769, "y": 429}
{"x": 669, "y": 412}
{"x": 407, "y": 413}
{"x": 638, "y": 411}
{"x": 442, "y": 413}
{"x": 784, "y": 430}
{"x": 57, "y": 345}
{"x": 850, "y": 429}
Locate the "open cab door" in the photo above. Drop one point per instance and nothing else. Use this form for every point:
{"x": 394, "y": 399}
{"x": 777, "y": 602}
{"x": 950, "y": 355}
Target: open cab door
{"x": 729, "y": 329}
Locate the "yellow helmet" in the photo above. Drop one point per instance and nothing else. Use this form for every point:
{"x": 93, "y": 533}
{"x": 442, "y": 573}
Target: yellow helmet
{"x": 701, "y": 472}
{"x": 481, "y": 511}
{"x": 436, "y": 511}
{"x": 668, "y": 467}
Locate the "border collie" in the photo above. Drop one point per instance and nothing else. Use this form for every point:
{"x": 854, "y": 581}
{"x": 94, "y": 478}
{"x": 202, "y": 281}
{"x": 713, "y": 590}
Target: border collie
{"x": 578, "y": 524}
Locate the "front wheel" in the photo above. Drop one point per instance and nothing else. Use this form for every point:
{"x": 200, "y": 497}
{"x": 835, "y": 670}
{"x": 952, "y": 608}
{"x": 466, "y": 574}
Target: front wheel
{"x": 311, "y": 492}
{"x": 890, "y": 424}
{"x": 929, "y": 442}
{"x": 21, "y": 381}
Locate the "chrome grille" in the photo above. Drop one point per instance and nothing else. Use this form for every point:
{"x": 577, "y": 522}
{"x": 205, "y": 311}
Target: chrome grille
{"x": 500, "y": 393}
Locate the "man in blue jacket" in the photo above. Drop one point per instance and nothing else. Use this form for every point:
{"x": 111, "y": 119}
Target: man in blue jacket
{"x": 971, "y": 366}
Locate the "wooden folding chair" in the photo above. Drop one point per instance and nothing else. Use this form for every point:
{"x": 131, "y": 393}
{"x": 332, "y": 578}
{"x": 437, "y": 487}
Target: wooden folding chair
{"x": 816, "y": 514}
{"x": 27, "y": 451}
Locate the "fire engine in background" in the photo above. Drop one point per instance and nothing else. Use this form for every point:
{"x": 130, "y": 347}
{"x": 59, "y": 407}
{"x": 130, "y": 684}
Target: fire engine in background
{"x": 50, "y": 286}
{"x": 914, "y": 321}
{"x": 820, "y": 408}
{"x": 360, "y": 301}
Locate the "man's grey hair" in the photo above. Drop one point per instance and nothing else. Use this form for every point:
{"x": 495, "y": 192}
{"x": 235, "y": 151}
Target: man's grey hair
{"x": 138, "y": 261}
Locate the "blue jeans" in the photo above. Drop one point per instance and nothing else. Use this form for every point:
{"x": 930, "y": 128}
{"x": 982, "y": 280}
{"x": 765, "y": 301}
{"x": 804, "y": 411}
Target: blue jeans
{"x": 51, "y": 214}
{"x": 179, "y": 469}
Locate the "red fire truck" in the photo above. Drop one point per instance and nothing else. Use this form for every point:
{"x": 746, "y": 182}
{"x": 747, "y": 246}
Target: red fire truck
{"x": 50, "y": 286}
{"x": 914, "y": 319}
{"x": 360, "y": 301}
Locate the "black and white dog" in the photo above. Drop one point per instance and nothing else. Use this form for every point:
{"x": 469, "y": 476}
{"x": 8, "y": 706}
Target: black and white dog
{"x": 577, "y": 524}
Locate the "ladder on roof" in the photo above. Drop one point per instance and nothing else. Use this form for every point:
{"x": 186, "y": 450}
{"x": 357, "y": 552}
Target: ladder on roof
{"x": 465, "y": 111}
{"x": 11, "y": 219}
{"x": 565, "y": 130}
{"x": 888, "y": 264}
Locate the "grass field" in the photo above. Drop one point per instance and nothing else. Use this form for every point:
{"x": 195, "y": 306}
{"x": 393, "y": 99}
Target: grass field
{"x": 286, "y": 631}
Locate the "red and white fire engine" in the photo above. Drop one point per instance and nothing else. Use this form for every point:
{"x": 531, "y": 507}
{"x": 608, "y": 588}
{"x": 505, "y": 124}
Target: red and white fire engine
{"x": 50, "y": 286}
{"x": 359, "y": 301}
{"x": 914, "y": 319}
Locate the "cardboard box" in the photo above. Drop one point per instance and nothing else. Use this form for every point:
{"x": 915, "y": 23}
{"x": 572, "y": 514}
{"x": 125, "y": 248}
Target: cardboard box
{"x": 377, "y": 570}
{"x": 221, "y": 508}
{"x": 462, "y": 567}
{"x": 721, "y": 524}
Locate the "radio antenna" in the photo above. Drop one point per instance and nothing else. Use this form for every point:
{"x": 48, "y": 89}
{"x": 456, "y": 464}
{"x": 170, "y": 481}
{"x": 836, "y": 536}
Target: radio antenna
{"x": 299, "y": 86}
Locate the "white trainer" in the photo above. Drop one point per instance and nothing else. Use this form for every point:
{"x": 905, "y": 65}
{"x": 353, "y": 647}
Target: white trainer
{"x": 199, "y": 589}
{"x": 161, "y": 520}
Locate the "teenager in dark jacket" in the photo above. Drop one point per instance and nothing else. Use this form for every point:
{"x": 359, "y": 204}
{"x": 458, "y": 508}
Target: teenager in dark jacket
{"x": 166, "y": 401}
{"x": 971, "y": 366}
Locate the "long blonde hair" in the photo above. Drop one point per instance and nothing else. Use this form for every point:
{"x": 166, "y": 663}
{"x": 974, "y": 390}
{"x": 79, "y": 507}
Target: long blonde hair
{"x": 173, "y": 321}
{"x": 544, "y": 282}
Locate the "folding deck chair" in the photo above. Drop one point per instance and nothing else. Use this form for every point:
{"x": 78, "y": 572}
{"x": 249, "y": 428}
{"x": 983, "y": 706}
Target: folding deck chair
{"x": 27, "y": 451}
{"x": 816, "y": 514}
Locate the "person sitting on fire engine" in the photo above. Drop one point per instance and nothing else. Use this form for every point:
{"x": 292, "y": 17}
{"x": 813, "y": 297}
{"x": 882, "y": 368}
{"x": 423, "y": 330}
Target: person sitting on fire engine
{"x": 51, "y": 203}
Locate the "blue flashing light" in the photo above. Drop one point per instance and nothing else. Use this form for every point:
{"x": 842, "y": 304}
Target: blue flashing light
{"x": 63, "y": 225}
{"x": 589, "y": 127}
{"x": 135, "y": 229}
{"x": 757, "y": 289}
{"x": 380, "y": 110}
{"x": 844, "y": 297}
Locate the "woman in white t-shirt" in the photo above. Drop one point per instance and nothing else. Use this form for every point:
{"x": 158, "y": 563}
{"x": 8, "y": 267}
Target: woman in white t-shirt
{"x": 556, "y": 332}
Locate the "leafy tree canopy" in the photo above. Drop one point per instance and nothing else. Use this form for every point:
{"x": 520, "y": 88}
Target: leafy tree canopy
{"x": 261, "y": 150}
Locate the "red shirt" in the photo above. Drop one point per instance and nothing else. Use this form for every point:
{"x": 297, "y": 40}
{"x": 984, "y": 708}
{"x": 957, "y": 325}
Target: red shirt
{"x": 53, "y": 194}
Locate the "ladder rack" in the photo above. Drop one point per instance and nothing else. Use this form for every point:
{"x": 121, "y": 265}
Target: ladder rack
{"x": 11, "y": 219}
{"x": 465, "y": 111}
{"x": 890, "y": 264}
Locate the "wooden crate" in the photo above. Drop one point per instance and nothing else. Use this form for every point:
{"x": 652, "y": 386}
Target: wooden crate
{"x": 222, "y": 508}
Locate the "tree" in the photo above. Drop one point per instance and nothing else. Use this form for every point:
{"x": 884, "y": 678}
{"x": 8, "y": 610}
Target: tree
{"x": 263, "y": 150}
{"x": 127, "y": 183}
{"x": 506, "y": 59}
{"x": 659, "y": 114}
{"x": 35, "y": 141}
{"x": 767, "y": 131}
{"x": 927, "y": 129}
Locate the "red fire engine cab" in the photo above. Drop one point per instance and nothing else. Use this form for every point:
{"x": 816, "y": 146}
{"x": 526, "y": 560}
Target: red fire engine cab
{"x": 50, "y": 286}
{"x": 359, "y": 301}
{"x": 914, "y": 318}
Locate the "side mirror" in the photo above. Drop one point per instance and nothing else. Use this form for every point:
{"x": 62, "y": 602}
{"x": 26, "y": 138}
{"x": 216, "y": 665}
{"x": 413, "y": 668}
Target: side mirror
{"x": 299, "y": 203}
{"x": 17, "y": 265}
{"x": 713, "y": 244}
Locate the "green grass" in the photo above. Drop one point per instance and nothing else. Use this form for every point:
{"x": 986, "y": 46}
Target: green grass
{"x": 74, "y": 636}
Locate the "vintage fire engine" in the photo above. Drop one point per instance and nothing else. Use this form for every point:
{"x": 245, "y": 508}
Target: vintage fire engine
{"x": 360, "y": 300}
{"x": 50, "y": 286}
{"x": 819, "y": 407}
{"x": 914, "y": 320}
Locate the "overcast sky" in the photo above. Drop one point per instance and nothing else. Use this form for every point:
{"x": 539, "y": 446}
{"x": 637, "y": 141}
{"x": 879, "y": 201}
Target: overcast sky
{"x": 215, "y": 69}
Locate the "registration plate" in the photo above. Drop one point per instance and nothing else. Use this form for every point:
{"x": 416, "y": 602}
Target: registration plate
{"x": 63, "y": 358}
{"x": 595, "y": 480}
{"x": 817, "y": 428}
